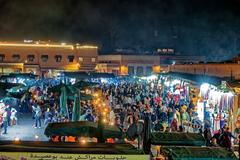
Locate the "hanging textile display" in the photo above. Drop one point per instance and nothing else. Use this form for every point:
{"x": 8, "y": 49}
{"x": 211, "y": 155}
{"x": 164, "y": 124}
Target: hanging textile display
{"x": 217, "y": 106}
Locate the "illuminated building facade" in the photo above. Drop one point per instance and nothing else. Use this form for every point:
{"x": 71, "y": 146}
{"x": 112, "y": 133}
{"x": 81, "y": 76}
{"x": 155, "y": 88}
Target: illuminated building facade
{"x": 139, "y": 65}
{"x": 229, "y": 70}
{"x": 46, "y": 58}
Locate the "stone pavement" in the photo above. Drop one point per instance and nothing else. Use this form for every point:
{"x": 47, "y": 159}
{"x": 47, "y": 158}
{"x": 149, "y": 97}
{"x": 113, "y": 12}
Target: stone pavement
{"x": 24, "y": 130}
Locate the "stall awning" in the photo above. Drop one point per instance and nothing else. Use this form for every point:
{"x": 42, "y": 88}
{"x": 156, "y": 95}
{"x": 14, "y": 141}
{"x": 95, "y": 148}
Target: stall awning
{"x": 19, "y": 75}
{"x": 84, "y": 75}
{"x": 175, "y": 138}
{"x": 197, "y": 153}
{"x": 198, "y": 78}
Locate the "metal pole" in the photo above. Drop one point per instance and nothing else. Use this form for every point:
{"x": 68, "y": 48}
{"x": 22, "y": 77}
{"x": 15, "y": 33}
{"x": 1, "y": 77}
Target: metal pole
{"x": 239, "y": 146}
{"x": 67, "y": 105}
{"x": 147, "y": 134}
{"x": 79, "y": 105}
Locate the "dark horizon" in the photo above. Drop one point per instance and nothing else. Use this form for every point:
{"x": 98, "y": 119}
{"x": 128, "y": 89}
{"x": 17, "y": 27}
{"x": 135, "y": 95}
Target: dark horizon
{"x": 207, "y": 27}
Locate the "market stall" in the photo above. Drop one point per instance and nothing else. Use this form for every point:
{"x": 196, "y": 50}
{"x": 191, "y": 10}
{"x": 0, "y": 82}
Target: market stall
{"x": 212, "y": 101}
{"x": 215, "y": 106}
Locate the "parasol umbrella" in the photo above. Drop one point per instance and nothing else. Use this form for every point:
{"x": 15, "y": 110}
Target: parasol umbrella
{"x": 83, "y": 84}
{"x": 63, "y": 101}
{"x": 56, "y": 88}
{"x": 18, "y": 91}
{"x": 18, "y": 88}
{"x": 22, "y": 75}
{"x": 9, "y": 101}
{"x": 6, "y": 85}
{"x": 73, "y": 90}
{"x": 76, "y": 108}
{"x": 83, "y": 97}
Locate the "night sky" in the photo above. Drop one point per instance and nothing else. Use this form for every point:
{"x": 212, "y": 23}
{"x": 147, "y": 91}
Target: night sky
{"x": 192, "y": 27}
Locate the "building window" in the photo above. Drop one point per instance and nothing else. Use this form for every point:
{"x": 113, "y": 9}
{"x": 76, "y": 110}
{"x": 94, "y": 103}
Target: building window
{"x": 16, "y": 57}
{"x": 148, "y": 70}
{"x": 30, "y": 58}
{"x": 44, "y": 58}
{"x": 70, "y": 58}
{"x": 93, "y": 59}
{"x": 139, "y": 71}
{"x": 2, "y": 57}
{"x": 80, "y": 59}
{"x": 58, "y": 58}
{"x": 131, "y": 70}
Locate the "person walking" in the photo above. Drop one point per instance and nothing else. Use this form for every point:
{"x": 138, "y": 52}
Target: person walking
{"x": 37, "y": 116}
{"x": 8, "y": 110}
{"x": 47, "y": 116}
{"x": 13, "y": 116}
{"x": 5, "y": 121}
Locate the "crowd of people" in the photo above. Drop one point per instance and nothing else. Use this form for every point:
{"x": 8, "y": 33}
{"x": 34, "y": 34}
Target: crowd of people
{"x": 128, "y": 102}
{"x": 169, "y": 111}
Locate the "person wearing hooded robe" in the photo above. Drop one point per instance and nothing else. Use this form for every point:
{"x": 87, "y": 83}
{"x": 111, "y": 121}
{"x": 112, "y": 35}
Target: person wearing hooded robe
{"x": 177, "y": 116}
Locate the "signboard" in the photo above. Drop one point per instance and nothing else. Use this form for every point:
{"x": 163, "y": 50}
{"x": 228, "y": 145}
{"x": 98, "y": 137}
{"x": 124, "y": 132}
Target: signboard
{"x": 165, "y": 50}
{"x": 62, "y": 156}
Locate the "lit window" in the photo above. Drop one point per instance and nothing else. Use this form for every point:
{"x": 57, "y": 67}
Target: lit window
{"x": 131, "y": 70}
{"x": 148, "y": 70}
{"x": 16, "y": 57}
{"x": 58, "y": 58}
{"x": 2, "y": 57}
{"x": 70, "y": 58}
{"x": 80, "y": 59}
{"x": 139, "y": 71}
{"x": 44, "y": 58}
{"x": 30, "y": 58}
{"x": 93, "y": 59}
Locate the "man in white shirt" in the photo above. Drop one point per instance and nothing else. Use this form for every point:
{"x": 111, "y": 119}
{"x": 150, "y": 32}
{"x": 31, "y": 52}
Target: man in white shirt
{"x": 38, "y": 113}
{"x": 13, "y": 116}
